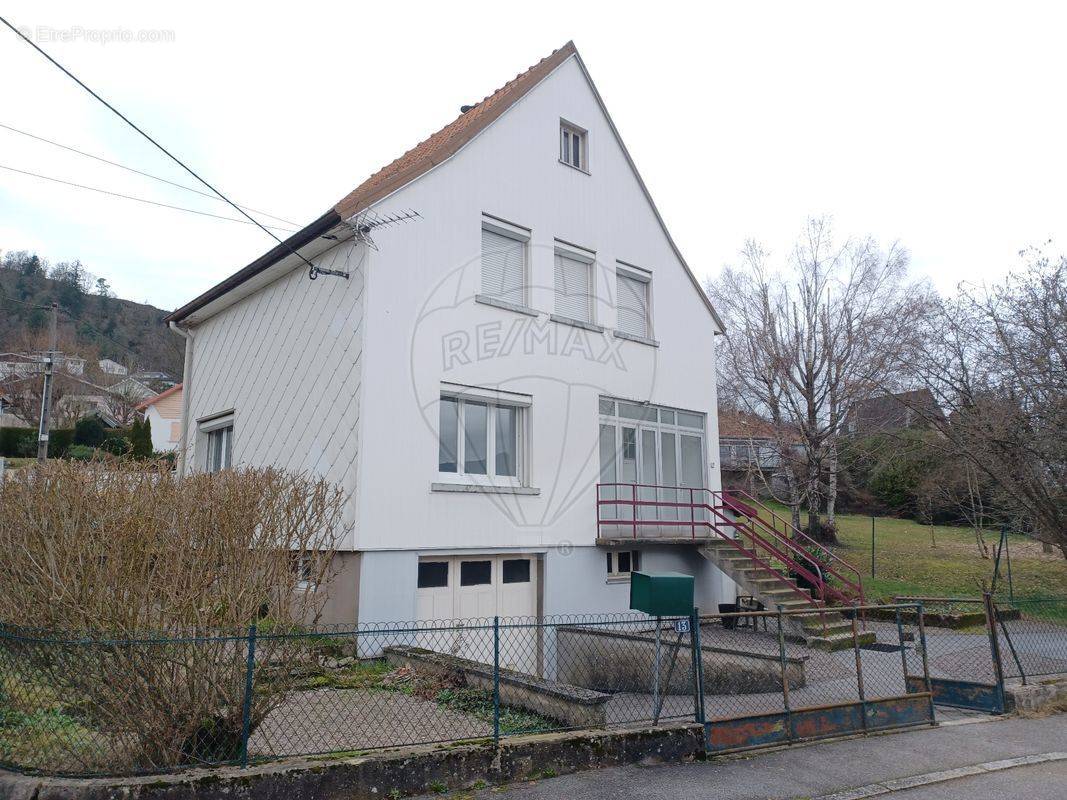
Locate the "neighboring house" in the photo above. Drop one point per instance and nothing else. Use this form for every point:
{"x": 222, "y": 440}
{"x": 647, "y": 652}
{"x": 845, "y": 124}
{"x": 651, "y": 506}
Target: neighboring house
{"x": 131, "y": 387}
{"x": 164, "y": 413}
{"x": 19, "y": 365}
{"x": 750, "y": 446}
{"x": 532, "y": 333}
{"x": 112, "y": 367}
{"x": 893, "y": 412}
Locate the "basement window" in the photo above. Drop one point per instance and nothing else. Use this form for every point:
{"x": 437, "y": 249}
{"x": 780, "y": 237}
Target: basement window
{"x": 622, "y": 562}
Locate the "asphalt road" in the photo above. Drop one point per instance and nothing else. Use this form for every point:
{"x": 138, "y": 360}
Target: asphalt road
{"x": 818, "y": 770}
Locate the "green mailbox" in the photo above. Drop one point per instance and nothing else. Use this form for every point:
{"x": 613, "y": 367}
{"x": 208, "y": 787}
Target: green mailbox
{"x": 662, "y": 594}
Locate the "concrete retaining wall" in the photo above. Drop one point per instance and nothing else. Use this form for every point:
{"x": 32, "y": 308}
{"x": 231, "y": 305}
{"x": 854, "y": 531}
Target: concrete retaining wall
{"x": 574, "y": 706}
{"x": 374, "y": 777}
{"x": 611, "y": 660}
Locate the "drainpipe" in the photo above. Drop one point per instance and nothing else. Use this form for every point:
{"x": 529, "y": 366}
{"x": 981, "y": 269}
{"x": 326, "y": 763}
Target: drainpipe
{"x": 187, "y": 375}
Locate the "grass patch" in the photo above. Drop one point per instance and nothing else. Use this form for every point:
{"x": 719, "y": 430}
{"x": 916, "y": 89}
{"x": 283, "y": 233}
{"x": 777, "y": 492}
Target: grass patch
{"x": 941, "y": 561}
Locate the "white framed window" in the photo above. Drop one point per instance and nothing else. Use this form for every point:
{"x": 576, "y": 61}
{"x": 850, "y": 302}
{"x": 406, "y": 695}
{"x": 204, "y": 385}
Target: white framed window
{"x": 217, "y": 433}
{"x": 481, "y": 440}
{"x": 633, "y": 291}
{"x": 574, "y": 146}
{"x": 622, "y": 562}
{"x": 574, "y": 284}
{"x": 504, "y": 258}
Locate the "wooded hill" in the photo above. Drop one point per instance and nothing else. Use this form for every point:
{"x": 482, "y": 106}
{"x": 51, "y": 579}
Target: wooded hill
{"x": 93, "y": 323}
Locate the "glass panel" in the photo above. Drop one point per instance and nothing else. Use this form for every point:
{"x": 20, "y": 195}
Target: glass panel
{"x": 649, "y": 473}
{"x": 633, "y": 411}
{"x": 433, "y": 574}
{"x": 227, "y": 453}
{"x": 607, "y": 406}
{"x": 475, "y": 432}
{"x": 610, "y": 570}
{"x": 566, "y": 151}
{"x": 624, "y": 561}
{"x": 629, "y": 455}
{"x": 475, "y": 573}
{"x": 687, "y": 420}
{"x": 516, "y": 570}
{"x": 635, "y": 560}
{"x": 576, "y": 141}
{"x": 448, "y": 434}
{"x": 507, "y": 441}
{"x": 668, "y": 456}
{"x": 666, "y": 417}
{"x": 607, "y": 468}
{"x": 693, "y": 470}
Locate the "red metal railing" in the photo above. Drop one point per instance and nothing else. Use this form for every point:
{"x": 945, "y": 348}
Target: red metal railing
{"x": 836, "y": 564}
{"x": 712, "y": 524}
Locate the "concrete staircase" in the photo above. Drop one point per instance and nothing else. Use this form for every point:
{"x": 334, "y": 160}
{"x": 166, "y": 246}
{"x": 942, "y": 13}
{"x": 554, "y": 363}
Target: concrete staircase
{"x": 822, "y": 628}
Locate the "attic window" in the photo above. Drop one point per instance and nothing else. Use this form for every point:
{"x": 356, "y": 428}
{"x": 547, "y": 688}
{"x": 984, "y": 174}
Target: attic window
{"x": 573, "y": 148}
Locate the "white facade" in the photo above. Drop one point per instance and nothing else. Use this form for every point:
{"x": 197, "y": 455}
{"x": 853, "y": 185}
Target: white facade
{"x": 345, "y": 378}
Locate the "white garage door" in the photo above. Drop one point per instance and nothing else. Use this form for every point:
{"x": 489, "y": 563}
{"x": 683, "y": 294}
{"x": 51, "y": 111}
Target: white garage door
{"x": 478, "y": 587}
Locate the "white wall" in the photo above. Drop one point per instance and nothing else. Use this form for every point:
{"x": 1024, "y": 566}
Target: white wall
{"x": 421, "y": 285}
{"x": 288, "y": 361}
{"x": 160, "y": 428}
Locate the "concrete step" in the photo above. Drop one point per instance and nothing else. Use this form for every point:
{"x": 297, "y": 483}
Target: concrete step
{"x": 840, "y": 641}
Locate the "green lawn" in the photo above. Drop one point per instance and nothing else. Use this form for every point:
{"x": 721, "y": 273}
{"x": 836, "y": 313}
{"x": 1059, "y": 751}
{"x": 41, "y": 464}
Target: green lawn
{"x": 939, "y": 561}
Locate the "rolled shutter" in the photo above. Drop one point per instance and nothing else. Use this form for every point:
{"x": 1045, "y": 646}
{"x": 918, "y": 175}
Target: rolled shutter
{"x": 572, "y": 288}
{"x": 503, "y": 267}
{"x": 632, "y": 305}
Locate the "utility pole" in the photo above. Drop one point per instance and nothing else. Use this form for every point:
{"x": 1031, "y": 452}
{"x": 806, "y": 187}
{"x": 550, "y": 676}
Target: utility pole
{"x": 46, "y": 395}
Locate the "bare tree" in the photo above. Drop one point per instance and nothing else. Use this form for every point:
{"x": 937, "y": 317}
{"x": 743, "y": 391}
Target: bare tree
{"x": 996, "y": 359}
{"x": 805, "y": 341}
{"x": 121, "y": 403}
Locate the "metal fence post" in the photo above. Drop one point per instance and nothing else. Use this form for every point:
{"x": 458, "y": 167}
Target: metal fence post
{"x": 903, "y": 652}
{"x": 785, "y": 678}
{"x": 921, "y": 611}
{"x": 496, "y": 681}
{"x": 994, "y": 647}
{"x": 246, "y": 711}
{"x": 859, "y": 668}
{"x": 698, "y": 672}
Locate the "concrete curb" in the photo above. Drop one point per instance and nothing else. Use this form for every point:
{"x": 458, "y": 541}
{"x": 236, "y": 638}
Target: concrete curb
{"x": 900, "y": 784}
{"x": 380, "y": 775}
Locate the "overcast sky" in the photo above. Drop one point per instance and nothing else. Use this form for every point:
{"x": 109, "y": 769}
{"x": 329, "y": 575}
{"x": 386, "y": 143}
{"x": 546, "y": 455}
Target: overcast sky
{"x": 940, "y": 125}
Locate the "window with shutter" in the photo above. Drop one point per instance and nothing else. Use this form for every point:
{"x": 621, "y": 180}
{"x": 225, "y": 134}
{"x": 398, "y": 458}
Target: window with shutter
{"x": 573, "y": 295}
{"x": 632, "y": 304}
{"x": 503, "y": 267}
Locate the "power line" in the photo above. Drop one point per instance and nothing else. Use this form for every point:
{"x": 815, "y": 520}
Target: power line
{"x": 138, "y": 199}
{"x": 138, "y": 172}
{"x": 164, "y": 150}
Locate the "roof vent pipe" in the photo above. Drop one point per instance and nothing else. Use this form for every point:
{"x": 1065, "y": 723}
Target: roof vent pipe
{"x": 465, "y": 109}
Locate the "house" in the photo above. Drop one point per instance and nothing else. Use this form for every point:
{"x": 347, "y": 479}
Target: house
{"x": 893, "y": 412}
{"x": 499, "y": 350}
{"x": 112, "y": 367}
{"x": 164, "y": 414}
{"x": 751, "y": 451}
{"x": 131, "y": 387}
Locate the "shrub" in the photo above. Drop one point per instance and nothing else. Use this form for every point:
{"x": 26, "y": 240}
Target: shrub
{"x": 117, "y": 446}
{"x": 80, "y": 452}
{"x": 12, "y": 439}
{"x": 89, "y": 431}
{"x": 141, "y": 438}
{"x": 124, "y": 553}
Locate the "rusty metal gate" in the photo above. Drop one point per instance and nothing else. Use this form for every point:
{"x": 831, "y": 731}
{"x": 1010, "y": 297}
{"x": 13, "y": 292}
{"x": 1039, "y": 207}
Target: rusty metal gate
{"x": 961, "y": 648}
{"x": 853, "y": 676}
